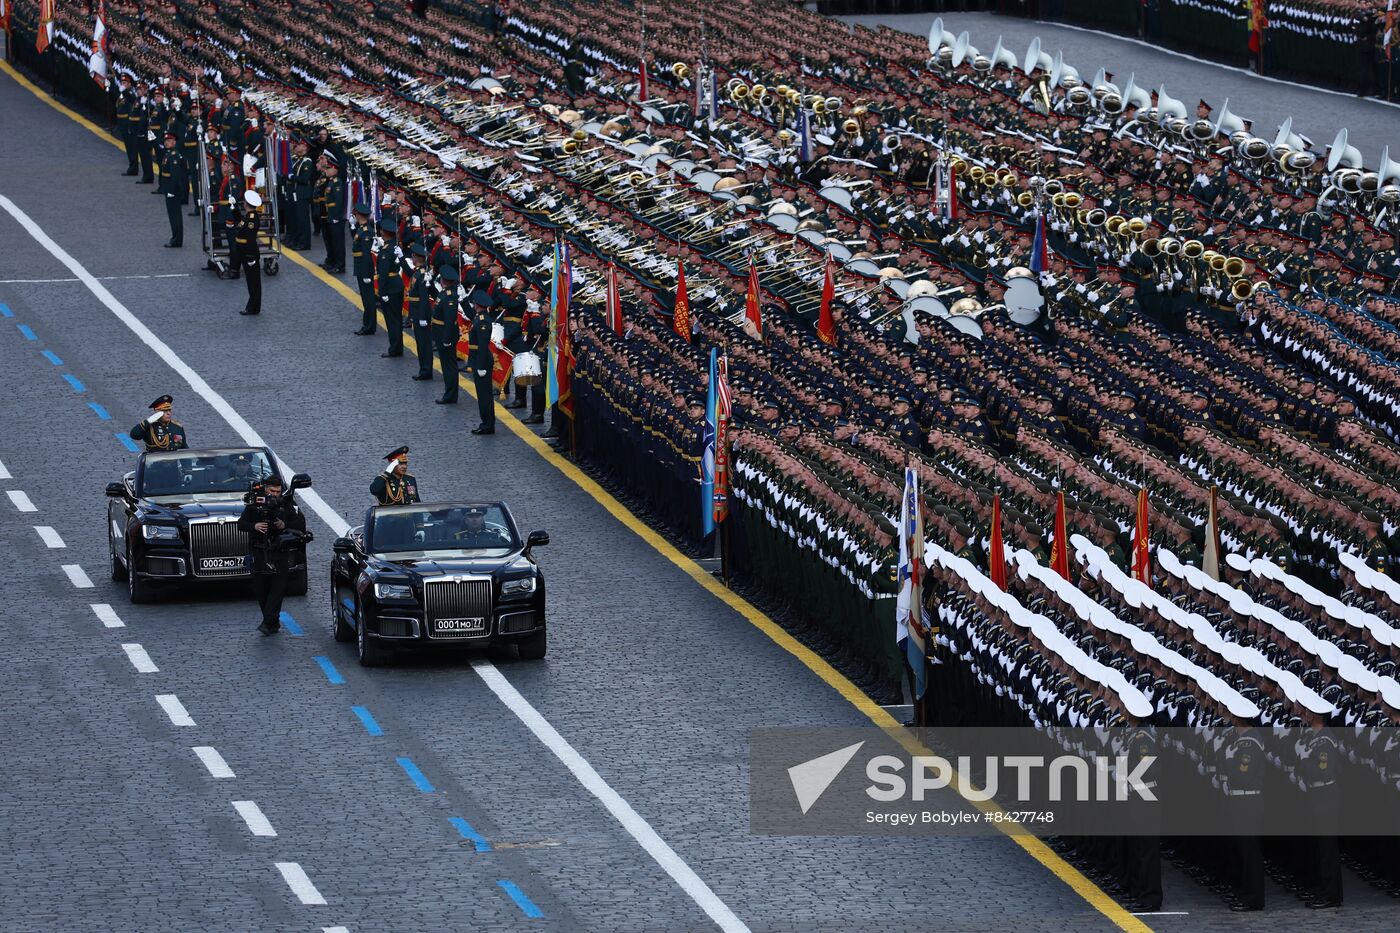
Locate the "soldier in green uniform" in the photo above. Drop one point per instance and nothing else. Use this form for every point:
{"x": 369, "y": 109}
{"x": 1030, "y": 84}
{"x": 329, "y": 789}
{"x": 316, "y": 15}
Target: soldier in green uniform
{"x": 138, "y": 119}
{"x": 395, "y": 486}
{"x": 333, "y": 220}
{"x": 420, "y": 309}
{"x": 172, "y": 185}
{"x": 126, "y": 102}
{"x": 446, "y": 331}
{"x": 299, "y": 192}
{"x": 362, "y": 265}
{"x": 159, "y": 430}
{"x": 388, "y": 279}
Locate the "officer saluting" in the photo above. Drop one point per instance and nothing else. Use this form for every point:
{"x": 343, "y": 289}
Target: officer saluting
{"x": 395, "y": 486}
{"x": 159, "y": 430}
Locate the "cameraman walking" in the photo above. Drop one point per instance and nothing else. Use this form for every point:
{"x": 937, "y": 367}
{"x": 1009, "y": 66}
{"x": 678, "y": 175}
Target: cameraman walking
{"x": 274, "y": 529}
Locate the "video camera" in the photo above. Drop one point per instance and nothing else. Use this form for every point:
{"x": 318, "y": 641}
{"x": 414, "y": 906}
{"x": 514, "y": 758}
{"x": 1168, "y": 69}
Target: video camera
{"x": 267, "y": 508}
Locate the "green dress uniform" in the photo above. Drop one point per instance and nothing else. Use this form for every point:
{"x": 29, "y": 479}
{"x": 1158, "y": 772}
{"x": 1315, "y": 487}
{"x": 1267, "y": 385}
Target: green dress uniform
{"x": 446, "y": 331}
{"x": 362, "y": 265}
{"x": 333, "y": 223}
{"x": 160, "y": 434}
{"x": 173, "y": 182}
{"x": 392, "y": 489}
{"x": 480, "y": 360}
{"x": 389, "y": 286}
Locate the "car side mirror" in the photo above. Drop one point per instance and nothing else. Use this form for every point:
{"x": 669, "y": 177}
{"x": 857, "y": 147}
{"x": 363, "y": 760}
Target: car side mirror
{"x": 301, "y": 480}
{"x": 343, "y": 546}
{"x": 116, "y": 490}
{"x": 536, "y": 539}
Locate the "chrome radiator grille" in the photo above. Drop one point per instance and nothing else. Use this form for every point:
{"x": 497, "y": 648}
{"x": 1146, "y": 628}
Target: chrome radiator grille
{"x": 457, "y": 609}
{"x": 222, "y": 543}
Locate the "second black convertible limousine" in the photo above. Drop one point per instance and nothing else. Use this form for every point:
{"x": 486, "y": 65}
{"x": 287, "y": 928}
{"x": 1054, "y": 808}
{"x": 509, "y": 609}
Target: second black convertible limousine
{"x": 438, "y": 575}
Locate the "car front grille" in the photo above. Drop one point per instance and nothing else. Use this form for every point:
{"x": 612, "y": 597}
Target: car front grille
{"x": 457, "y": 609}
{"x": 218, "y": 541}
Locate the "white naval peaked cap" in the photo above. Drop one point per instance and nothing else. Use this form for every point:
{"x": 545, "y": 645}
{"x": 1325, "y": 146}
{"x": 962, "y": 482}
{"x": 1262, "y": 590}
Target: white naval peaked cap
{"x": 253, "y": 199}
{"x": 1237, "y": 562}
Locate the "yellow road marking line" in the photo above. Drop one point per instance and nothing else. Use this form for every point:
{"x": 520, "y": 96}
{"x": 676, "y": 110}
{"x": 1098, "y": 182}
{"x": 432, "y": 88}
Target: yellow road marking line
{"x": 814, "y": 662}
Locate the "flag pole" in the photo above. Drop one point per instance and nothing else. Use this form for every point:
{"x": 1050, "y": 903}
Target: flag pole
{"x": 724, "y": 525}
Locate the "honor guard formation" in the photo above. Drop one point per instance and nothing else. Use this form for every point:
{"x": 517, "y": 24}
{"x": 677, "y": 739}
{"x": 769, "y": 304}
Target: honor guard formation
{"x": 1034, "y": 395}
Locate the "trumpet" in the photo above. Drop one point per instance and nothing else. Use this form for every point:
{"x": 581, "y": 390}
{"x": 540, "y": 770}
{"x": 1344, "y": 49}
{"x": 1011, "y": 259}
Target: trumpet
{"x": 680, "y": 71}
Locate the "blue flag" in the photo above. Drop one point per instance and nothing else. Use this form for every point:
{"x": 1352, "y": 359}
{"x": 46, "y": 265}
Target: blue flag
{"x": 707, "y": 455}
{"x": 1038, "y": 245}
{"x": 804, "y": 144}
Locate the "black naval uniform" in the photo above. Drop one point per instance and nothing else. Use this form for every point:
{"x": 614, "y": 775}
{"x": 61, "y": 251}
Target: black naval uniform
{"x": 333, "y": 226}
{"x": 173, "y": 184}
{"x": 160, "y": 435}
{"x": 247, "y": 256}
{"x": 390, "y": 489}
{"x": 480, "y": 361}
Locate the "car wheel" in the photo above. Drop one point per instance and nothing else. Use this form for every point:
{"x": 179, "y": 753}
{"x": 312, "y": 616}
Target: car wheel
{"x": 118, "y": 568}
{"x": 533, "y": 648}
{"x": 296, "y": 583}
{"x": 137, "y": 590}
{"x": 371, "y": 655}
{"x": 342, "y": 631}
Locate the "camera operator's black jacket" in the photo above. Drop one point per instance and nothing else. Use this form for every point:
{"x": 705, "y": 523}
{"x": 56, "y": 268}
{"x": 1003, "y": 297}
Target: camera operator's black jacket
{"x": 272, "y": 550}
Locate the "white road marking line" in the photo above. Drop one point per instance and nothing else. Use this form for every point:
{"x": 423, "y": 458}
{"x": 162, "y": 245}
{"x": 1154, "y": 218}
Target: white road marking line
{"x": 140, "y": 659}
{"x": 77, "y": 576}
{"x": 301, "y": 885}
{"x": 164, "y": 275}
{"x": 638, "y": 827}
{"x": 51, "y": 537}
{"x": 335, "y": 930}
{"x": 179, "y": 716}
{"x": 4, "y": 471}
{"x": 253, "y": 816}
{"x": 21, "y": 500}
{"x": 218, "y": 768}
{"x": 108, "y": 615}
{"x": 630, "y": 819}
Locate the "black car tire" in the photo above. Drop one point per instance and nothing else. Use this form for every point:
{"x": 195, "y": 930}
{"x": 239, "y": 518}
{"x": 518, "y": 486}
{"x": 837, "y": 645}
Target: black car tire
{"x": 533, "y": 648}
{"x": 296, "y": 583}
{"x": 342, "y": 631}
{"x": 371, "y": 655}
{"x": 118, "y": 568}
{"x": 137, "y": 590}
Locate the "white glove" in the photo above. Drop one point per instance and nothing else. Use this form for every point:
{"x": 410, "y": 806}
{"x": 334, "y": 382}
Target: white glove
{"x": 390, "y": 467}
{"x": 422, "y": 323}
{"x": 150, "y": 137}
{"x": 481, "y": 372}
{"x": 154, "y": 416}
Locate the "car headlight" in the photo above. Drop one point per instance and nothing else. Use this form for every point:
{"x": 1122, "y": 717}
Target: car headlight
{"x": 392, "y": 591}
{"x": 160, "y": 532}
{"x": 518, "y": 587}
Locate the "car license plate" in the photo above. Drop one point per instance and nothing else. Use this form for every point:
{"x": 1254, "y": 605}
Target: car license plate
{"x": 222, "y": 563}
{"x": 459, "y": 626}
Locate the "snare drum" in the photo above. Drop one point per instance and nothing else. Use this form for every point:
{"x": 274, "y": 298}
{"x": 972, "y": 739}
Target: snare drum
{"x": 527, "y": 369}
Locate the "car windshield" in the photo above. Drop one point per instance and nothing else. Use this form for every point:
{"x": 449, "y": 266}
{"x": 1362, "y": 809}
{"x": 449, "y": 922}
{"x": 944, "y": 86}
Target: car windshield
{"x": 478, "y": 530}
{"x": 194, "y": 474}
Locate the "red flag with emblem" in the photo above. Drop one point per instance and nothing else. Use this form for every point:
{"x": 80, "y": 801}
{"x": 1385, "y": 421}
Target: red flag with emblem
{"x": 826, "y": 321}
{"x": 614, "y": 302}
{"x": 1258, "y": 22}
{"x": 1142, "y": 553}
{"x": 997, "y": 558}
{"x": 680, "y": 321}
{"x": 752, "y": 310}
{"x": 1059, "y": 549}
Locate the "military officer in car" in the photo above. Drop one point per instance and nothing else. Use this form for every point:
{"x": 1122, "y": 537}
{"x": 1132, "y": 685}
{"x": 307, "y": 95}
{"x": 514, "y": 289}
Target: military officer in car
{"x": 159, "y": 430}
{"x": 395, "y": 486}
